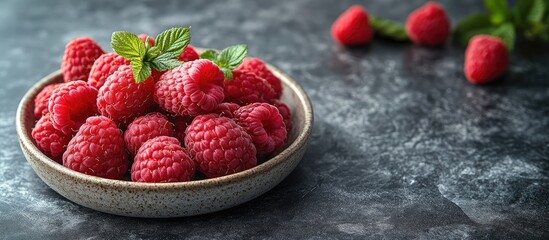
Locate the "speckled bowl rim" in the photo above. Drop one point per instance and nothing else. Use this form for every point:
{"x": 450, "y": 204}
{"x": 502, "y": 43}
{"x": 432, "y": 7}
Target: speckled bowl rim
{"x": 298, "y": 143}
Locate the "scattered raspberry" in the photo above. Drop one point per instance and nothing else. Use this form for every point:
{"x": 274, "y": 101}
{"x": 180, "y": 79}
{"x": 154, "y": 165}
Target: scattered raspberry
{"x": 103, "y": 67}
{"x": 353, "y": 27}
{"x": 189, "y": 54}
{"x": 80, "y": 54}
{"x": 260, "y": 69}
{"x": 264, "y": 124}
{"x": 144, "y": 38}
{"x": 71, "y": 104}
{"x": 286, "y": 114}
{"x": 428, "y": 25}
{"x": 193, "y": 88}
{"x": 50, "y": 140}
{"x": 97, "y": 149}
{"x": 219, "y": 146}
{"x": 122, "y": 99}
{"x": 146, "y": 127}
{"x": 162, "y": 159}
{"x": 41, "y": 100}
{"x": 180, "y": 126}
{"x": 246, "y": 87}
{"x": 226, "y": 109}
{"x": 486, "y": 58}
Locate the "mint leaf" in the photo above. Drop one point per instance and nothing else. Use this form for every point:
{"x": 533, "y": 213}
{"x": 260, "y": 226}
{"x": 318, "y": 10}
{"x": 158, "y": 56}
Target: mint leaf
{"x": 507, "y": 33}
{"x": 165, "y": 62}
{"x": 388, "y": 28}
{"x": 174, "y": 40}
{"x": 233, "y": 55}
{"x": 528, "y": 12}
{"x": 499, "y": 11}
{"x": 228, "y": 73}
{"x": 128, "y": 45}
{"x": 472, "y": 25}
{"x": 152, "y": 53}
{"x": 141, "y": 70}
{"x": 210, "y": 55}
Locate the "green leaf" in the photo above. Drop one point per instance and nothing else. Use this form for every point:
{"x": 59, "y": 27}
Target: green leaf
{"x": 507, "y": 33}
{"x": 388, "y": 28}
{"x": 233, "y": 56}
{"x": 228, "y": 73}
{"x": 165, "y": 62}
{"x": 128, "y": 45}
{"x": 470, "y": 26}
{"x": 152, "y": 53}
{"x": 499, "y": 11}
{"x": 174, "y": 40}
{"x": 529, "y": 12}
{"x": 210, "y": 55}
{"x": 536, "y": 12}
{"x": 141, "y": 70}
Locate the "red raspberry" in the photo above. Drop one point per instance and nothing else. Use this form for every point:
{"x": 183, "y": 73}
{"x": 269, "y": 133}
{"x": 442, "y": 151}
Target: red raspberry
{"x": 71, "y": 104}
{"x": 286, "y": 114}
{"x": 219, "y": 146}
{"x": 97, "y": 149}
{"x": 162, "y": 159}
{"x": 146, "y": 127}
{"x": 180, "y": 125}
{"x": 255, "y": 65}
{"x": 144, "y": 38}
{"x": 428, "y": 25}
{"x": 486, "y": 58}
{"x": 80, "y": 54}
{"x": 189, "y": 54}
{"x": 122, "y": 99}
{"x": 41, "y": 100}
{"x": 246, "y": 87}
{"x": 103, "y": 67}
{"x": 353, "y": 27}
{"x": 226, "y": 109}
{"x": 264, "y": 124}
{"x": 193, "y": 88}
{"x": 51, "y": 141}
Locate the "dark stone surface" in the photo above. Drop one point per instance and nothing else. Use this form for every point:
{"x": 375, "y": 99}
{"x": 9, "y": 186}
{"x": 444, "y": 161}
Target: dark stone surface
{"x": 403, "y": 146}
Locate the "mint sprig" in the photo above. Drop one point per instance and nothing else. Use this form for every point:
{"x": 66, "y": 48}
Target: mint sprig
{"x": 163, "y": 56}
{"x": 388, "y": 29}
{"x": 528, "y": 17}
{"x": 228, "y": 59}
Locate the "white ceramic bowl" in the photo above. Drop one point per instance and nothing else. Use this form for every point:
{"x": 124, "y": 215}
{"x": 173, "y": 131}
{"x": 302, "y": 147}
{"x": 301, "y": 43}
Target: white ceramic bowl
{"x": 158, "y": 200}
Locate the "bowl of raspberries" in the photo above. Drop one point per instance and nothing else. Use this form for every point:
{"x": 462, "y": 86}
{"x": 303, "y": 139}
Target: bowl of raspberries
{"x": 157, "y": 128}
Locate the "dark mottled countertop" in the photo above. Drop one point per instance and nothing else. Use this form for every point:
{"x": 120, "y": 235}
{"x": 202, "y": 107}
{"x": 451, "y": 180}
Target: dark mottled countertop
{"x": 403, "y": 146}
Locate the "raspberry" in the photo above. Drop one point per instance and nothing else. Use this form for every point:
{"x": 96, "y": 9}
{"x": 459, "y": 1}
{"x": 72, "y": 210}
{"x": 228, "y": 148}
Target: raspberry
{"x": 226, "y": 109}
{"x": 162, "y": 159}
{"x": 97, "y": 149}
{"x": 180, "y": 125}
{"x": 103, "y": 67}
{"x": 41, "y": 100}
{"x": 146, "y": 127}
{"x": 486, "y": 58}
{"x": 144, "y": 38}
{"x": 219, "y": 146}
{"x": 428, "y": 25}
{"x": 122, "y": 99}
{"x": 255, "y": 65}
{"x": 286, "y": 114}
{"x": 353, "y": 27}
{"x": 246, "y": 87}
{"x": 193, "y": 88}
{"x": 50, "y": 140}
{"x": 80, "y": 54}
{"x": 71, "y": 104}
{"x": 264, "y": 124}
{"x": 189, "y": 54}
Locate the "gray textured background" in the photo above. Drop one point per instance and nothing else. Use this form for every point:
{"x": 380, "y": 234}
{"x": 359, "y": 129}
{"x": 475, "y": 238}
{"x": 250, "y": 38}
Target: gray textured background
{"x": 403, "y": 145}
